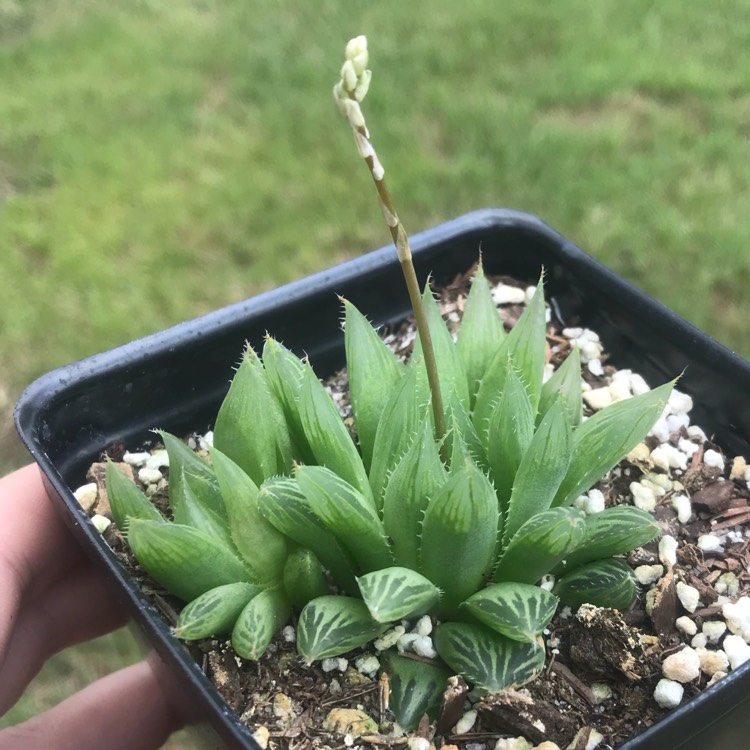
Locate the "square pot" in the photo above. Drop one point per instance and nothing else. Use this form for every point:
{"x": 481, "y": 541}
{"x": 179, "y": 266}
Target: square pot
{"x": 177, "y": 379}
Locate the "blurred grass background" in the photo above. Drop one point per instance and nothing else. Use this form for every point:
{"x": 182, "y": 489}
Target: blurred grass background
{"x": 159, "y": 160}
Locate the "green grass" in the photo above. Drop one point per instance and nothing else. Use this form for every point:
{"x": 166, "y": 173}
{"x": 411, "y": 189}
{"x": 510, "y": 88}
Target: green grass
{"x": 158, "y": 160}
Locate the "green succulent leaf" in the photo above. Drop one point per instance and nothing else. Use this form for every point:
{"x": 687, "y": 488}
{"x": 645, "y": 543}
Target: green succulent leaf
{"x": 508, "y": 435}
{"x": 126, "y": 500}
{"x": 348, "y": 514}
{"x": 416, "y": 688}
{"x": 488, "y": 660}
{"x": 613, "y": 531}
{"x": 303, "y": 577}
{"x": 263, "y": 616}
{"x": 285, "y": 372}
{"x": 259, "y": 543}
{"x": 186, "y": 561}
{"x": 605, "y": 438}
{"x": 481, "y": 332}
{"x": 451, "y": 371}
{"x": 332, "y": 625}
{"x": 604, "y": 583}
{"x": 459, "y": 535}
{"x": 200, "y": 508}
{"x": 516, "y": 610}
{"x": 540, "y": 544}
{"x": 526, "y": 344}
{"x": 184, "y": 461}
{"x": 542, "y": 469}
{"x": 461, "y": 425}
{"x": 416, "y": 478}
{"x": 283, "y": 505}
{"x": 328, "y": 437}
{"x": 374, "y": 370}
{"x": 250, "y": 427}
{"x": 215, "y": 612}
{"x": 397, "y": 593}
{"x": 565, "y": 383}
{"x": 397, "y": 429}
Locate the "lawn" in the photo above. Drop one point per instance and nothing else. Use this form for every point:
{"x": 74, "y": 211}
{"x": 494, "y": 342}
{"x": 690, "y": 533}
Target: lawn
{"x": 158, "y": 160}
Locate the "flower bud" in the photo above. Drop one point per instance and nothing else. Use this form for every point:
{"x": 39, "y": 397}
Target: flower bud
{"x": 356, "y": 47}
{"x": 354, "y": 113}
{"x": 360, "y": 62}
{"x": 363, "y": 86}
{"x": 349, "y": 76}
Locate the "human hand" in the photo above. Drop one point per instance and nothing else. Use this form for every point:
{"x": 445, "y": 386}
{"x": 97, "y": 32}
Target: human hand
{"x": 50, "y": 598}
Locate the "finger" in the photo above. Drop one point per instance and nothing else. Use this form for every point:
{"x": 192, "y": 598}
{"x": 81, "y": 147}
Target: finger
{"x": 122, "y": 711}
{"x": 78, "y": 608}
{"x": 36, "y": 548}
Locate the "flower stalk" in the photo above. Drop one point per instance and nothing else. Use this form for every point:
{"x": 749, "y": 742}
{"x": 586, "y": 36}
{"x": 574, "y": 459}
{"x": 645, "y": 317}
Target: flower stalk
{"x": 348, "y": 93}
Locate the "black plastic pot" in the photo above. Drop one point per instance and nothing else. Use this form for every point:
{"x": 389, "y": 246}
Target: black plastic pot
{"x": 176, "y": 380}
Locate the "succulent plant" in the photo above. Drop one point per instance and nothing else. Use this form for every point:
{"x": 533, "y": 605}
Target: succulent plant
{"x": 456, "y": 511}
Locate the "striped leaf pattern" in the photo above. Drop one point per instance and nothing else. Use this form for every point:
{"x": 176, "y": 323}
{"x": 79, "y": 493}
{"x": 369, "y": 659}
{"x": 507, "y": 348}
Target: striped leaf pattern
{"x": 283, "y": 505}
{"x": 604, "y": 583}
{"x": 332, "y": 625}
{"x": 488, "y": 660}
{"x": 347, "y": 514}
{"x": 416, "y": 688}
{"x": 540, "y": 544}
{"x": 613, "y": 531}
{"x": 397, "y": 593}
{"x": 263, "y": 616}
{"x": 215, "y": 612}
{"x": 517, "y": 610}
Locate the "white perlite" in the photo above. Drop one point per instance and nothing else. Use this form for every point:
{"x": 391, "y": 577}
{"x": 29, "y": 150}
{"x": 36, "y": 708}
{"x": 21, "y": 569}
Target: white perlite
{"x": 668, "y": 550}
{"x": 643, "y": 496}
{"x": 101, "y": 523}
{"x": 712, "y": 661}
{"x": 679, "y": 402}
{"x": 424, "y": 625}
{"x": 688, "y": 596}
{"x": 685, "y": 625}
{"x": 328, "y": 665}
{"x": 713, "y": 458}
{"x": 135, "y": 459}
{"x": 684, "y": 666}
{"x": 683, "y": 508}
{"x": 709, "y": 543}
{"x": 86, "y": 496}
{"x": 737, "y": 651}
{"x": 598, "y": 398}
{"x": 418, "y": 743}
{"x": 465, "y": 723}
{"x": 648, "y": 574}
{"x": 668, "y": 457}
{"x": 149, "y": 476}
{"x": 513, "y": 743}
{"x": 737, "y": 616}
{"x": 503, "y": 294}
{"x": 668, "y": 693}
{"x": 713, "y": 630}
{"x": 290, "y": 636}
{"x": 367, "y": 665}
